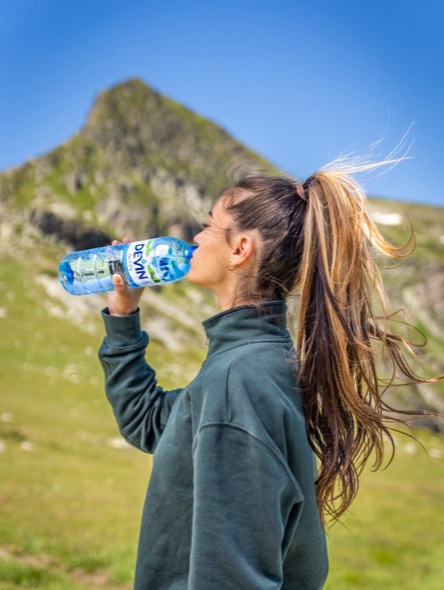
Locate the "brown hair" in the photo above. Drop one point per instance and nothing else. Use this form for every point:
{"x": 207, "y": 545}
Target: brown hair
{"x": 317, "y": 238}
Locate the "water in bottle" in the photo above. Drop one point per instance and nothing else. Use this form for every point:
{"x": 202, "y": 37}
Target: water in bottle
{"x": 140, "y": 264}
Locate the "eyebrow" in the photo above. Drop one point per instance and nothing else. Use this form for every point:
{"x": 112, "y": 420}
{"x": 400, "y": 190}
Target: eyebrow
{"x": 210, "y": 213}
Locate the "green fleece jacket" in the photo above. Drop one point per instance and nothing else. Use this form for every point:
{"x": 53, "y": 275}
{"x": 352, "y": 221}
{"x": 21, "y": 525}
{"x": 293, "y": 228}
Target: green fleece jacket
{"x": 231, "y": 500}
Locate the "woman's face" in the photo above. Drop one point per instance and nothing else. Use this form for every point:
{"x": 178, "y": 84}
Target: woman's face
{"x": 210, "y": 262}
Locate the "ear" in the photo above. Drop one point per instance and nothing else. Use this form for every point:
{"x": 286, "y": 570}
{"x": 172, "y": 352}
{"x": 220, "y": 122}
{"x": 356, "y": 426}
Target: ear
{"x": 243, "y": 251}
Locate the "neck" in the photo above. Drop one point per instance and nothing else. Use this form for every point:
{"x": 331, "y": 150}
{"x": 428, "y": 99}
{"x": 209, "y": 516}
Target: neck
{"x": 237, "y": 288}
{"x": 228, "y": 301}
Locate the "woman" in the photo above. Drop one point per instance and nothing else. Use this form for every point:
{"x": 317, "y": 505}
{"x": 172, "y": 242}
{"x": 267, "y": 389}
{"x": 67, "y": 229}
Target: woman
{"x": 235, "y": 500}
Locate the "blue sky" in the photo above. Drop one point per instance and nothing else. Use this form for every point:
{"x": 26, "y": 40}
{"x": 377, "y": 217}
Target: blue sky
{"x": 299, "y": 81}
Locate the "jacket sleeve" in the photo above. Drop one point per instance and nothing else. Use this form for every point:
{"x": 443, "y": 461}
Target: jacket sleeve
{"x": 246, "y": 509}
{"x": 141, "y": 407}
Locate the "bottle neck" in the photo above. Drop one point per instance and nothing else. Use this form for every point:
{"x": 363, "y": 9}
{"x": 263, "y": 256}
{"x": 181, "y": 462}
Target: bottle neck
{"x": 190, "y": 251}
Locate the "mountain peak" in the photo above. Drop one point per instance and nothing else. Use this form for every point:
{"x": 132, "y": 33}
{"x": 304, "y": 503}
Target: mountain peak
{"x": 142, "y": 165}
{"x": 121, "y": 101}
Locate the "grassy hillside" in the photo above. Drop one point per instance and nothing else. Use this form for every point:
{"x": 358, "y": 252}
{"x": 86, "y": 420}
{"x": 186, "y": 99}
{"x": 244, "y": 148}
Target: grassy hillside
{"x": 71, "y": 493}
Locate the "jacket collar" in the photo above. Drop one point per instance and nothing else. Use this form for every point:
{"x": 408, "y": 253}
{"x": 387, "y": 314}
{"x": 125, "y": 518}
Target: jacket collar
{"x": 246, "y": 323}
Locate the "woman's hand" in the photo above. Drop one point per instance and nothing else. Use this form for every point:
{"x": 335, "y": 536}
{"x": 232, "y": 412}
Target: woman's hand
{"x": 123, "y": 301}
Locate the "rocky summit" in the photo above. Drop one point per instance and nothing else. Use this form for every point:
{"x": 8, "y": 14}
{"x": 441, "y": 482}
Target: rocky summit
{"x": 142, "y": 164}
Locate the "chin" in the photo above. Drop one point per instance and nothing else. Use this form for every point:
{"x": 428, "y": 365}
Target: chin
{"x": 194, "y": 279}
{"x": 191, "y": 278}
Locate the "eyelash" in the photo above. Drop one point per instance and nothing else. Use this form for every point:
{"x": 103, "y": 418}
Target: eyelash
{"x": 205, "y": 225}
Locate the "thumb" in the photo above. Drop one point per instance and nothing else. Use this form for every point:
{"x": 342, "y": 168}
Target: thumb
{"x": 118, "y": 282}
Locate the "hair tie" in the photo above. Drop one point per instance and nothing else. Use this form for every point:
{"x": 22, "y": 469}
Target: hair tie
{"x": 300, "y": 191}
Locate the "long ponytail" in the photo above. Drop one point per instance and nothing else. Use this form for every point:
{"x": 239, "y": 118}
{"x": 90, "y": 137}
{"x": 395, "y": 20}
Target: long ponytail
{"x": 340, "y": 339}
{"x": 318, "y": 240}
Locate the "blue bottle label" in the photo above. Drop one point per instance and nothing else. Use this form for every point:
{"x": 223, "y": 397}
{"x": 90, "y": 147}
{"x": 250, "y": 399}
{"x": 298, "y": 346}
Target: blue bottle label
{"x": 138, "y": 263}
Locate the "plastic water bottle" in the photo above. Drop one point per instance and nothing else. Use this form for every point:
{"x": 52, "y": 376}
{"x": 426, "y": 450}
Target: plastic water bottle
{"x": 140, "y": 264}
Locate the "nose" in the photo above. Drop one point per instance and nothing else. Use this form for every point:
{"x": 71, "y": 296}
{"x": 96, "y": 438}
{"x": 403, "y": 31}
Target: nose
{"x": 197, "y": 238}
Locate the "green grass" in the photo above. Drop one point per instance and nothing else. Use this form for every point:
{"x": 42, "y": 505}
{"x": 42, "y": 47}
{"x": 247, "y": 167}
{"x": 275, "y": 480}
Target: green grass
{"x": 427, "y": 225}
{"x": 70, "y": 501}
{"x": 393, "y": 535}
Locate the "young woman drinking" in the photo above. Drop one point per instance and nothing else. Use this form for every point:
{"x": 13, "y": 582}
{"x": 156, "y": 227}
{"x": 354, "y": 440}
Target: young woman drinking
{"x": 269, "y": 438}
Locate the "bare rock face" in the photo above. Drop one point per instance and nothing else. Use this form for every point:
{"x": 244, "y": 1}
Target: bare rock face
{"x": 77, "y": 235}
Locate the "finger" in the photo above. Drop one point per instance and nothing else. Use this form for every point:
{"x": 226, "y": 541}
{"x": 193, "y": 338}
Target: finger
{"x": 118, "y": 282}
{"x": 115, "y": 243}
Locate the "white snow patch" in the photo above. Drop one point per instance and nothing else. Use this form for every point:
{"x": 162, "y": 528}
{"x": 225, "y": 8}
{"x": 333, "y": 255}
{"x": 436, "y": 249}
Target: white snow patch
{"x": 386, "y": 218}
